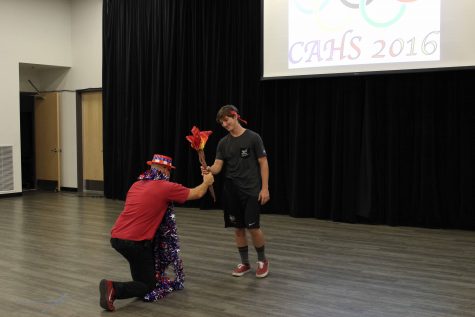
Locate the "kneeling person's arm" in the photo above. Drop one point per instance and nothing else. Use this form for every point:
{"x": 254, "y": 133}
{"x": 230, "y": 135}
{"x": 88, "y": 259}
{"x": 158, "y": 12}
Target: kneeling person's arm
{"x": 200, "y": 190}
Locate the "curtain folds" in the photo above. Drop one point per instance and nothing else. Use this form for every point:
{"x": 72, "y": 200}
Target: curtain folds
{"x": 395, "y": 149}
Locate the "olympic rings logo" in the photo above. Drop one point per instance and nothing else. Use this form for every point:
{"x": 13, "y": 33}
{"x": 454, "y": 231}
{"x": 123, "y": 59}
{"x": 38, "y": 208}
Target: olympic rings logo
{"x": 360, "y": 5}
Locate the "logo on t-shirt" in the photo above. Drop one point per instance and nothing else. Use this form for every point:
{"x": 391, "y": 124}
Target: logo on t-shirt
{"x": 244, "y": 152}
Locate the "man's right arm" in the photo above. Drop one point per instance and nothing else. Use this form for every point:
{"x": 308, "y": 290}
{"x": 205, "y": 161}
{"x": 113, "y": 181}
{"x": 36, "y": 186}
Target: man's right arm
{"x": 200, "y": 190}
{"x": 215, "y": 168}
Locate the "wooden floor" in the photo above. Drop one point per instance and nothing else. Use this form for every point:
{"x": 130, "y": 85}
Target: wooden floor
{"x": 55, "y": 249}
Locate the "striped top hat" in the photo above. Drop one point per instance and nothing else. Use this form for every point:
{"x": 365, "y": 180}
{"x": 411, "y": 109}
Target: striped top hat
{"x": 161, "y": 160}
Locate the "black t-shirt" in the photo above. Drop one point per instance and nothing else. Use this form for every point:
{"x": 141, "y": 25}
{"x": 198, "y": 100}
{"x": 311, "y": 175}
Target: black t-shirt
{"x": 240, "y": 156}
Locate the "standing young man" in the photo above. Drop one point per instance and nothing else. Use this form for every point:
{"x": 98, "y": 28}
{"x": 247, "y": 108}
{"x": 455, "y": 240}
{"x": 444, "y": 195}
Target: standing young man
{"x": 244, "y": 158}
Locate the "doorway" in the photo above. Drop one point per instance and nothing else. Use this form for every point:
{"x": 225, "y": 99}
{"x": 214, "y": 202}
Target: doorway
{"x": 40, "y": 103}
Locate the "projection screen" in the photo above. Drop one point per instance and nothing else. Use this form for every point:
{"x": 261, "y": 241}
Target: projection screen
{"x": 324, "y": 37}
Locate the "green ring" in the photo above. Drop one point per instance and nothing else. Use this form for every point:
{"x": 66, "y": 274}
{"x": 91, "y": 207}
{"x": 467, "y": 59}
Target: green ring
{"x": 380, "y": 24}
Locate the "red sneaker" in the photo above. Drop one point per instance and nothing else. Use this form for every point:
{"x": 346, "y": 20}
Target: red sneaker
{"x": 106, "y": 289}
{"x": 262, "y": 268}
{"x": 241, "y": 269}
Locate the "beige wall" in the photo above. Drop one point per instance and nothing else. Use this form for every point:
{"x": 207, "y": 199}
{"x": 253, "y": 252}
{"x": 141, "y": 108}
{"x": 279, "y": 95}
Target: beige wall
{"x": 66, "y": 34}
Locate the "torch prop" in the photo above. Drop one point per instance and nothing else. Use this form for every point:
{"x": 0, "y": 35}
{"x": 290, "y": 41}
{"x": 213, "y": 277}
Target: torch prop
{"x": 198, "y": 141}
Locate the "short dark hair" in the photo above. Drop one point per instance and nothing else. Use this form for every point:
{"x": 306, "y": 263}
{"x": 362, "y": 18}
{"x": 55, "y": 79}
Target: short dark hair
{"x": 226, "y": 111}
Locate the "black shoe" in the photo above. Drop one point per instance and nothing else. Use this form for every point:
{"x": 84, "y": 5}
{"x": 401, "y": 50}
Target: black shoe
{"x": 106, "y": 289}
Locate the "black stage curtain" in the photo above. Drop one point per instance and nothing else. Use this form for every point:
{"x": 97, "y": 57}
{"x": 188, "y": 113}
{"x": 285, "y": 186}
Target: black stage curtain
{"x": 395, "y": 149}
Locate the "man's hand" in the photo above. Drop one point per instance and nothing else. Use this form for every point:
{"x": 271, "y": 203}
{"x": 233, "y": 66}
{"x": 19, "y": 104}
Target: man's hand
{"x": 206, "y": 170}
{"x": 208, "y": 179}
{"x": 200, "y": 190}
{"x": 264, "y": 196}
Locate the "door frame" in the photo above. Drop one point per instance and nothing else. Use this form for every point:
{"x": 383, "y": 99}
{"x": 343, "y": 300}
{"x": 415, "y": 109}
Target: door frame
{"x": 79, "y": 121}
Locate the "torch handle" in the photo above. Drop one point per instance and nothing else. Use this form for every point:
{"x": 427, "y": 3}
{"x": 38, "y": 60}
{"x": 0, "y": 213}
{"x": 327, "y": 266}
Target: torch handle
{"x": 201, "y": 156}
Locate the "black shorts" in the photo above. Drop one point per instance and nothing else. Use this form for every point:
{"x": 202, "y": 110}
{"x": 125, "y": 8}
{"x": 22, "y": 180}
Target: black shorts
{"x": 240, "y": 209}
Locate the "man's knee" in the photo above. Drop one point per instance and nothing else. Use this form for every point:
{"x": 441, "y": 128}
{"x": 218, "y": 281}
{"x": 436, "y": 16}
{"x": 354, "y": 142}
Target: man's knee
{"x": 151, "y": 285}
{"x": 255, "y": 231}
{"x": 240, "y": 232}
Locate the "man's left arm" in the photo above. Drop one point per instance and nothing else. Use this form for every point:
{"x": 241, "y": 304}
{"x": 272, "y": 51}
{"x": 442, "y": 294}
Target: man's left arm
{"x": 264, "y": 195}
